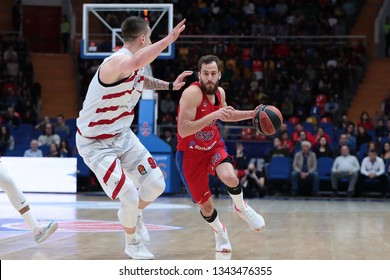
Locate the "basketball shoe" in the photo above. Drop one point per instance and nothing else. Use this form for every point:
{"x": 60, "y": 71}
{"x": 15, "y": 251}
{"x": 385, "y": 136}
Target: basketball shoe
{"x": 137, "y": 250}
{"x": 254, "y": 220}
{"x": 222, "y": 243}
{"x": 44, "y": 230}
{"x": 142, "y": 231}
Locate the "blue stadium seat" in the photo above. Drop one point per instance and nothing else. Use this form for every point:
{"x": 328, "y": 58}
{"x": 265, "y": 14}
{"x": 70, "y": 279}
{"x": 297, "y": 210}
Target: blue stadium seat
{"x": 324, "y": 167}
{"x": 279, "y": 169}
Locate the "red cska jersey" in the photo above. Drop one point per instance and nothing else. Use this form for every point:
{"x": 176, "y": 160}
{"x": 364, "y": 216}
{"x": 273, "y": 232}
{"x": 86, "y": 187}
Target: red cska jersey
{"x": 207, "y": 137}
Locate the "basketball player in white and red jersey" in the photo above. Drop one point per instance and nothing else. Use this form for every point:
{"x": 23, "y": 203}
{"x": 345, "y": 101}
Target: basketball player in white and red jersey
{"x": 104, "y": 139}
{"x": 201, "y": 151}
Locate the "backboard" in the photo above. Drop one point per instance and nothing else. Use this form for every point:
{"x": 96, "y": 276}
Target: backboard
{"x": 101, "y": 33}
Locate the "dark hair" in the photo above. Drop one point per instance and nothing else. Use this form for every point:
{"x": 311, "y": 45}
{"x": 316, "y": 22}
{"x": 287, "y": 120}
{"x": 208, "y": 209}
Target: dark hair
{"x": 132, "y": 27}
{"x": 207, "y": 59}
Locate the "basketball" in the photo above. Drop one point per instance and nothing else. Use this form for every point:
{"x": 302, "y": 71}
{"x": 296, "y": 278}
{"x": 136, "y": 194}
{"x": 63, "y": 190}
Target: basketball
{"x": 267, "y": 120}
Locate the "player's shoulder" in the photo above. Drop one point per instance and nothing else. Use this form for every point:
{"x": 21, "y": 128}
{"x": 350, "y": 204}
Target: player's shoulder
{"x": 192, "y": 90}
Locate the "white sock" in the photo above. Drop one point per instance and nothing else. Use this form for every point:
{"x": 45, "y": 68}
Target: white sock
{"x": 30, "y": 220}
{"x": 216, "y": 225}
{"x": 238, "y": 200}
{"x": 129, "y": 237}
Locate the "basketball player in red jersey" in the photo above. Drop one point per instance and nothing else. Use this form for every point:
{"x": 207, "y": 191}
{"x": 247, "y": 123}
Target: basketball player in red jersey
{"x": 201, "y": 151}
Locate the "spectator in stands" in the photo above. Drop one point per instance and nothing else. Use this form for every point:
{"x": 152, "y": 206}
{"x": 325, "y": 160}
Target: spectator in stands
{"x": 170, "y": 139}
{"x": 296, "y": 134}
{"x": 372, "y": 172}
{"x": 241, "y": 160}
{"x": 323, "y": 149}
{"x": 287, "y": 108}
{"x": 362, "y": 136}
{"x": 277, "y": 150}
{"x": 305, "y": 169}
{"x": 61, "y": 127}
{"x": 343, "y": 140}
{"x": 351, "y": 134}
{"x": 380, "y": 129}
{"x": 42, "y": 124}
{"x": 33, "y": 151}
{"x": 167, "y": 105}
{"x": 365, "y": 121}
{"x": 65, "y": 150}
{"x": 385, "y": 154}
{"x": 11, "y": 118}
{"x": 345, "y": 166}
{"x": 53, "y": 152}
{"x": 320, "y": 133}
{"x": 286, "y": 141}
{"x": 331, "y": 109}
{"x": 7, "y": 141}
{"x": 301, "y": 139}
{"x": 9, "y": 54}
{"x": 49, "y": 137}
{"x": 253, "y": 182}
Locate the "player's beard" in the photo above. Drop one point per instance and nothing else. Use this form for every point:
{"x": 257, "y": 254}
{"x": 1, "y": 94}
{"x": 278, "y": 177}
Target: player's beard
{"x": 209, "y": 89}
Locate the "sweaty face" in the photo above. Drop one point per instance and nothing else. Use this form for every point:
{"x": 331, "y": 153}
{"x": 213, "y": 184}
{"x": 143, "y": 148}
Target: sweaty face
{"x": 209, "y": 78}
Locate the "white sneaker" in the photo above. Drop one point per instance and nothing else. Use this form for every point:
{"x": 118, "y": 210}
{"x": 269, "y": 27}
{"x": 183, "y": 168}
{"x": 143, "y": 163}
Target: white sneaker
{"x": 142, "y": 231}
{"x": 254, "y": 220}
{"x": 138, "y": 251}
{"x": 222, "y": 243}
{"x": 43, "y": 231}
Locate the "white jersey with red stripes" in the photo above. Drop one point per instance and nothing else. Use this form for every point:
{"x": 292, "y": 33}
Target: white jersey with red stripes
{"x": 109, "y": 109}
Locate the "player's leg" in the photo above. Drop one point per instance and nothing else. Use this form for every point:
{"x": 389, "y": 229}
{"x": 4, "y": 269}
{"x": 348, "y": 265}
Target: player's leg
{"x": 197, "y": 183}
{"x": 225, "y": 171}
{"x": 101, "y": 157}
{"x": 41, "y": 231}
{"x": 139, "y": 164}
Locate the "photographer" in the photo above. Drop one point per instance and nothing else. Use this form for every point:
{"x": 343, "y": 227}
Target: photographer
{"x": 253, "y": 182}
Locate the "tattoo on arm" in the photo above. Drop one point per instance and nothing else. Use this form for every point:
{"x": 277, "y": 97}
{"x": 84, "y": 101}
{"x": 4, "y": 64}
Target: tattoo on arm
{"x": 153, "y": 83}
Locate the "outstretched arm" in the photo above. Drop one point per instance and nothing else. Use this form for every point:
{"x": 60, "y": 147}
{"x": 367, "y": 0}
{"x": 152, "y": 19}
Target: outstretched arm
{"x": 157, "y": 84}
{"x": 122, "y": 66}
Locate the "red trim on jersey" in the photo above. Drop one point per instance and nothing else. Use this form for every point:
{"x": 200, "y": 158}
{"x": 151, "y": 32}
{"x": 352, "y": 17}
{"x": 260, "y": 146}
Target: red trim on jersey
{"x": 109, "y": 172}
{"x": 132, "y": 77}
{"x": 107, "y": 121}
{"x": 119, "y": 186}
{"x": 105, "y": 109}
{"x": 100, "y": 136}
{"x": 117, "y": 94}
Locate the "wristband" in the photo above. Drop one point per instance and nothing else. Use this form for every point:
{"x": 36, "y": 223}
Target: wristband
{"x": 170, "y": 86}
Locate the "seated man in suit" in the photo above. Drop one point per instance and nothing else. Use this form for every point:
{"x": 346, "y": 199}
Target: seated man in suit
{"x": 304, "y": 168}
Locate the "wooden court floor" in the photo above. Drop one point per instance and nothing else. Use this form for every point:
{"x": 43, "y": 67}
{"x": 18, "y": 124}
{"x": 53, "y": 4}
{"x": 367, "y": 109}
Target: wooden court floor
{"x": 296, "y": 228}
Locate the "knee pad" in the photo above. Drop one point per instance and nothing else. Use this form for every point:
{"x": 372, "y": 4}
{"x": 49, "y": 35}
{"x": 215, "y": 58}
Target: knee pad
{"x": 149, "y": 191}
{"x": 15, "y": 195}
{"x": 128, "y": 210}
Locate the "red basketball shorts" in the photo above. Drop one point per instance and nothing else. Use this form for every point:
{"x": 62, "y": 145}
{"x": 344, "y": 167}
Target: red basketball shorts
{"x": 194, "y": 168}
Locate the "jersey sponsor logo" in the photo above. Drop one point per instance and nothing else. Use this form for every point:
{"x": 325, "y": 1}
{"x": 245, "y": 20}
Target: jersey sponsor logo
{"x": 204, "y": 135}
{"x": 205, "y": 103}
{"x": 141, "y": 169}
{"x": 200, "y": 148}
